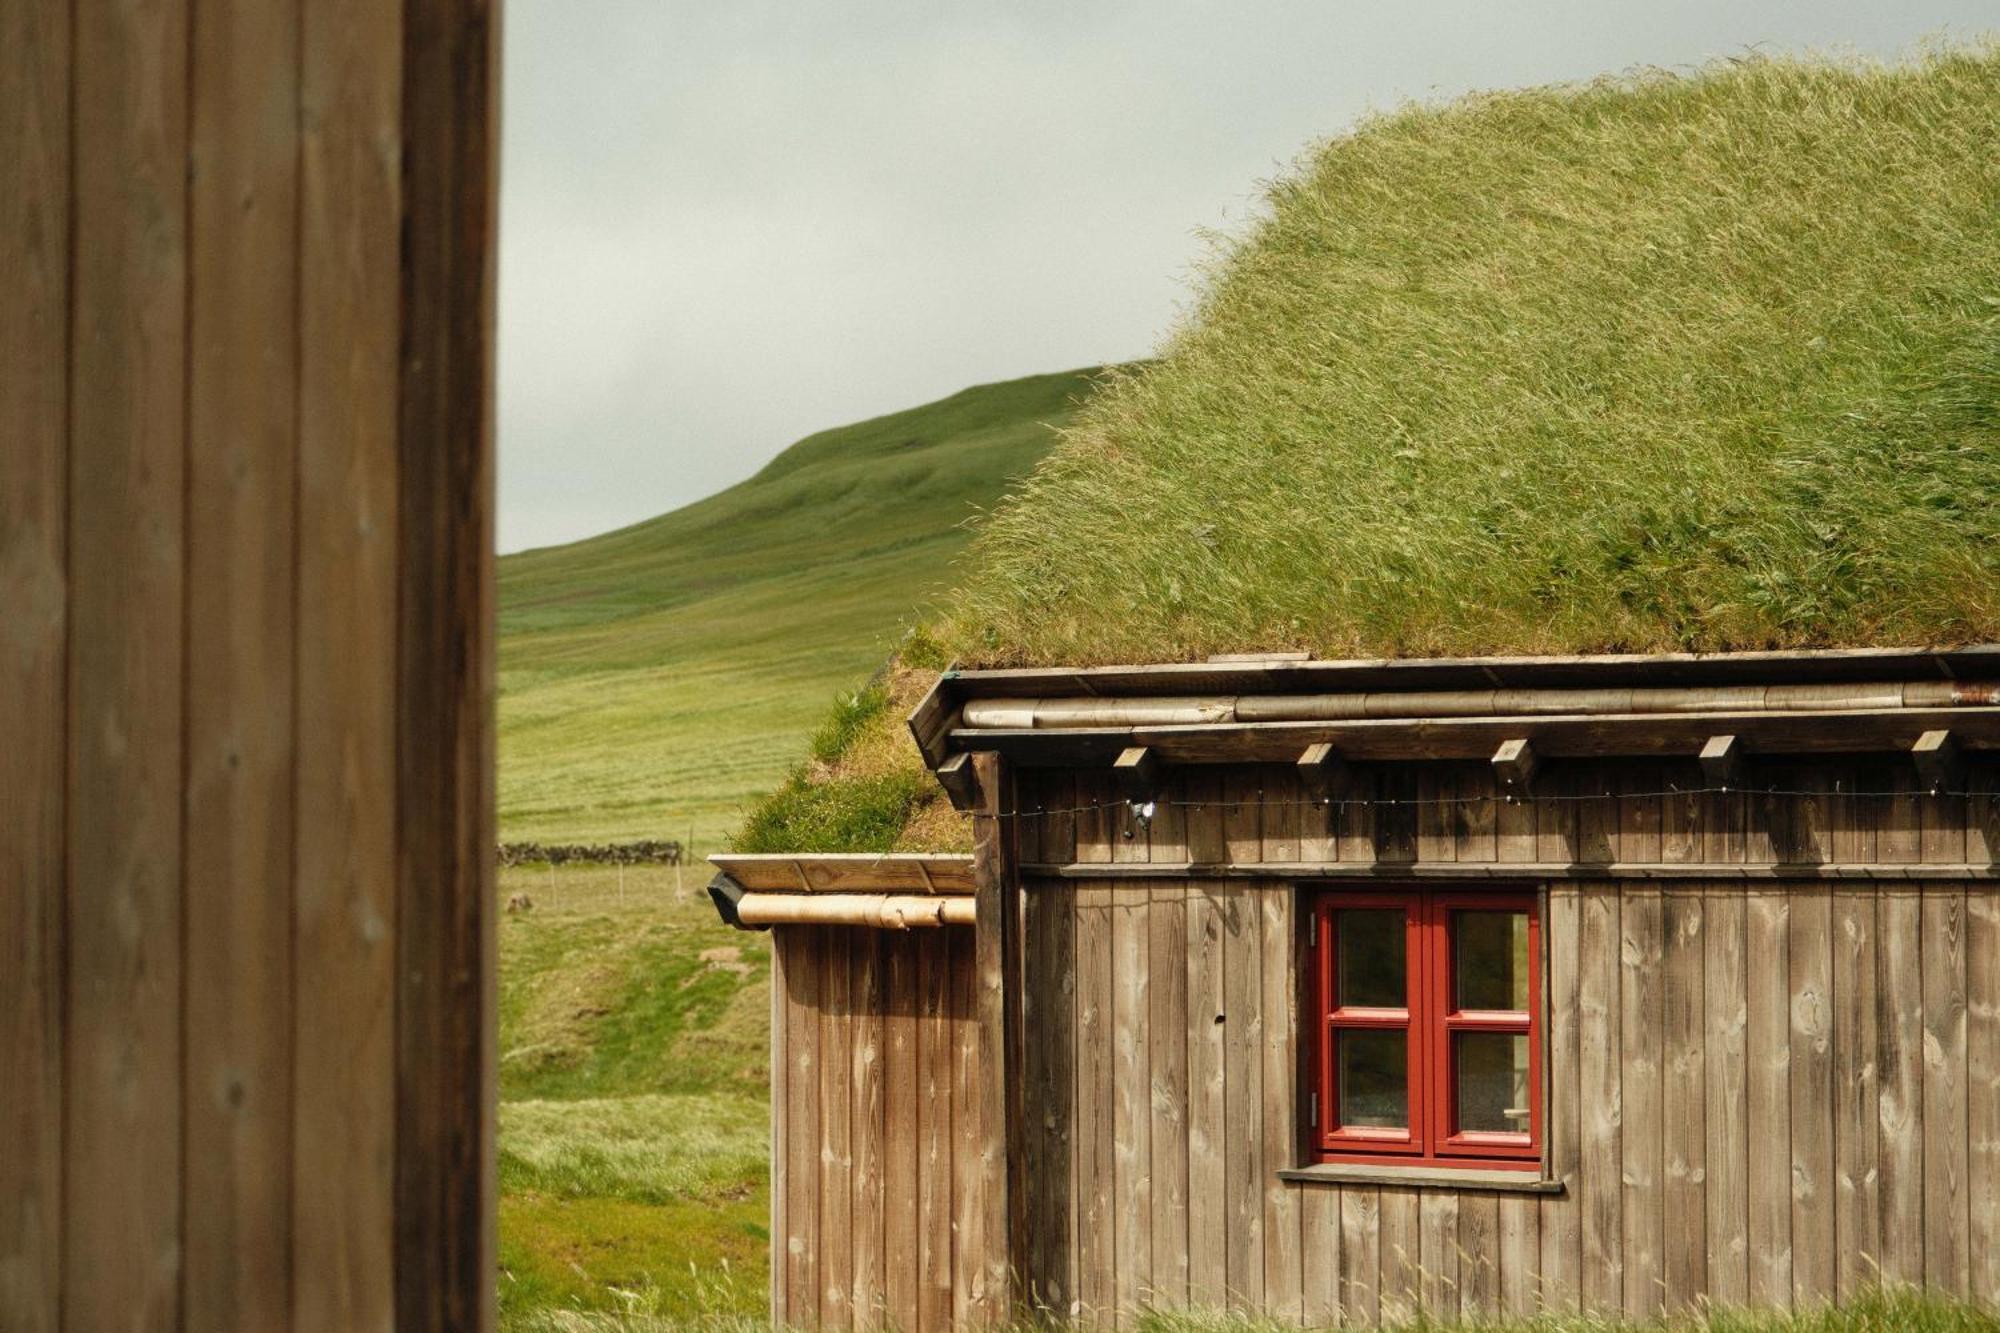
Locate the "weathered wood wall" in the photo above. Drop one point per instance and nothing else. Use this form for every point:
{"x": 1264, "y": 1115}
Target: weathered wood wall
{"x": 875, "y": 1085}
{"x": 245, "y": 740}
{"x": 1761, "y": 1091}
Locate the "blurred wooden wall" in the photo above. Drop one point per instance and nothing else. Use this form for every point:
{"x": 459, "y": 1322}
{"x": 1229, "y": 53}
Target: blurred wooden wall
{"x": 246, "y": 478}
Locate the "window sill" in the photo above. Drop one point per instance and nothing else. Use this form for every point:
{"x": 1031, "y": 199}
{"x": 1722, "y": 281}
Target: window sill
{"x": 1423, "y": 1177}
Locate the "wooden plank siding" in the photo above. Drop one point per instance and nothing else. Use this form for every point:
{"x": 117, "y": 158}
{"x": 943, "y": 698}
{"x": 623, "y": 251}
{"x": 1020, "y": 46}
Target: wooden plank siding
{"x": 876, "y": 1198}
{"x": 246, "y": 555}
{"x": 1756, "y": 1092}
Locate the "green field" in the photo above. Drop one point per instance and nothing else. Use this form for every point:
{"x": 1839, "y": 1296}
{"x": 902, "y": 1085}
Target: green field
{"x": 665, "y": 676}
{"x": 634, "y": 1104}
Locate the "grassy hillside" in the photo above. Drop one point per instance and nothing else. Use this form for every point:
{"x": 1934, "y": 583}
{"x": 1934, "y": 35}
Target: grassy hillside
{"x": 1660, "y": 362}
{"x": 669, "y": 673}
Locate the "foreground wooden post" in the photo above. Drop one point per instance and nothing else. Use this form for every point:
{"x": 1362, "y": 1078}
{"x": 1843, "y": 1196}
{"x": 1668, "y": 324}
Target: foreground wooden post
{"x": 246, "y": 572}
{"x": 996, "y": 894}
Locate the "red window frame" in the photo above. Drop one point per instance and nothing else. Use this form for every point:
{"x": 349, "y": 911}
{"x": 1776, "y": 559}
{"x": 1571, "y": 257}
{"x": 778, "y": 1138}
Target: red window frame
{"x": 1430, "y": 1017}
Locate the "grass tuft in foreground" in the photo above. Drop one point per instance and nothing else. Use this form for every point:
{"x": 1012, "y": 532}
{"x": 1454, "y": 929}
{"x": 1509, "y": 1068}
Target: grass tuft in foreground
{"x": 1658, "y": 362}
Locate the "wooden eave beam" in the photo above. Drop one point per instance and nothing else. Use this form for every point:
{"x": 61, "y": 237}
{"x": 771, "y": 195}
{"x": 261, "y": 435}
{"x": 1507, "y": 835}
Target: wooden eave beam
{"x": 1514, "y": 765}
{"x": 961, "y": 787}
{"x": 1722, "y": 761}
{"x": 1940, "y": 760}
{"x": 1651, "y": 735}
{"x": 1137, "y": 772}
{"x": 1324, "y": 772}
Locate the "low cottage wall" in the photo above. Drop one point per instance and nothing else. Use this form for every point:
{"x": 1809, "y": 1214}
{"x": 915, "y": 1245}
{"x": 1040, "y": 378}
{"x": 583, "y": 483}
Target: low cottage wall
{"x": 1772, "y": 1075}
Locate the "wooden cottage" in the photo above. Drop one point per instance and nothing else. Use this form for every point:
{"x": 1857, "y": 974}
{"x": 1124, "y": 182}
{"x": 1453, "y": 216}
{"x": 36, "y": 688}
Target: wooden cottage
{"x": 1338, "y": 990}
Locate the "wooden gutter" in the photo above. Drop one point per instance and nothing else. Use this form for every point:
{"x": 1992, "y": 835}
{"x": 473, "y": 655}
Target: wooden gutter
{"x": 888, "y": 891}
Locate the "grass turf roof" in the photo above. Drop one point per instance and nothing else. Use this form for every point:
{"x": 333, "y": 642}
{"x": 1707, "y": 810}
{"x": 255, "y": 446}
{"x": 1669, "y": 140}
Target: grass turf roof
{"x": 1663, "y": 362}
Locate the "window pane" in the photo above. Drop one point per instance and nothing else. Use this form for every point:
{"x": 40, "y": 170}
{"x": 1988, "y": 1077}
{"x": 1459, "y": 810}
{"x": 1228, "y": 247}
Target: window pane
{"x": 1371, "y": 961}
{"x": 1490, "y": 950}
{"x": 1373, "y": 1078}
{"x": 1492, "y": 1082}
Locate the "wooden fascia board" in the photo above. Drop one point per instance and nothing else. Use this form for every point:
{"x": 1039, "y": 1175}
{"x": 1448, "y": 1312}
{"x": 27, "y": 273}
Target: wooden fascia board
{"x": 1650, "y": 735}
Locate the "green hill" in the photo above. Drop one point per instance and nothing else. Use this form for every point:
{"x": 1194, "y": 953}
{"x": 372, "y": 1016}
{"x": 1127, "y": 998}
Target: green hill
{"x": 1659, "y": 362}
{"x": 668, "y": 674}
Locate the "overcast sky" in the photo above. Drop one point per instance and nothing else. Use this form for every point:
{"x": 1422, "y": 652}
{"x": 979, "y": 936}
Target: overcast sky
{"x": 729, "y": 224}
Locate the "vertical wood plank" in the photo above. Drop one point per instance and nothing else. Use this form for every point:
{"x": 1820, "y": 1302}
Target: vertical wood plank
{"x": 1319, "y": 1256}
{"x": 902, "y": 1073}
{"x": 997, "y": 958}
{"x": 1207, "y": 842}
{"x": 1520, "y": 1255}
{"x": 1057, "y": 822}
{"x": 1281, "y": 818}
{"x": 1437, "y": 806}
{"x": 1811, "y": 820}
{"x": 805, "y": 971}
{"x": 1857, "y": 1203}
{"x": 1319, "y": 829}
{"x": 836, "y": 1141}
{"x": 1476, "y": 818}
{"x": 1400, "y": 1255}
{"x": 1131, "y": 1097}
{"x": 1172, "y": 1032}
{"x": 34, "y": 386}
{"x": 1094, "y": 820}
{"x": 1684, "y": 1101}
{"x": 781, "y": 1133}
{"x": 448, "y": 992}
{"x": 1900, "y": 1079}
{"x": 1243, "y": 1093}
{"x": 1947, "y": 1221}
{"x": 1208, "y": 1011}
{"x": 1354, "y": 816}
{"x": 1169, "y": 829}
{"x": 1768, "y": 1038}
{"x": 1642, "y": 1137}
{"x": 1438, "y": 1262}
{"x": 1279, "y": 1135}
{"x": 1726, "y": 827}
{"x": 1478, "y": 1250}
{"x": 1555, "y": 818}
{"x": 1596, "y": 816}
{"x": 1599, "y": 1167}
{"x": 1943, "y": 838}
{"x": 1242, "y": 810}
{"x": 1097, "y": 1255}
{"x": 122, "y": 1237}
{"x": 935, "y": 1047}
{"x": 1514, "y": 832}
{"x": 1051, "y": 1073}
{"x": 1982, "y": 1087}
{"x": 1639, "y": 811}
{"x": 968, "y": 1198}
{"x": 1899, "y": 834}
{"x": 1395, "y": 815}
{"x": 241, "y": 482}
{"x": 1725, "y": 979}
{"x": 1814, "y": 1203}
{"x": 350, "y": 217}
{"x": 1683, "y": 814}
{"x": 1360, "y": 1256}
{"x": 1561, "y": 1215}
{"x": 867, "y": 1131}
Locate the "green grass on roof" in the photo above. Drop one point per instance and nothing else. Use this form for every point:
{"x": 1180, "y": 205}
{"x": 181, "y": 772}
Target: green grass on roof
{"x": 1659, "y": 362}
